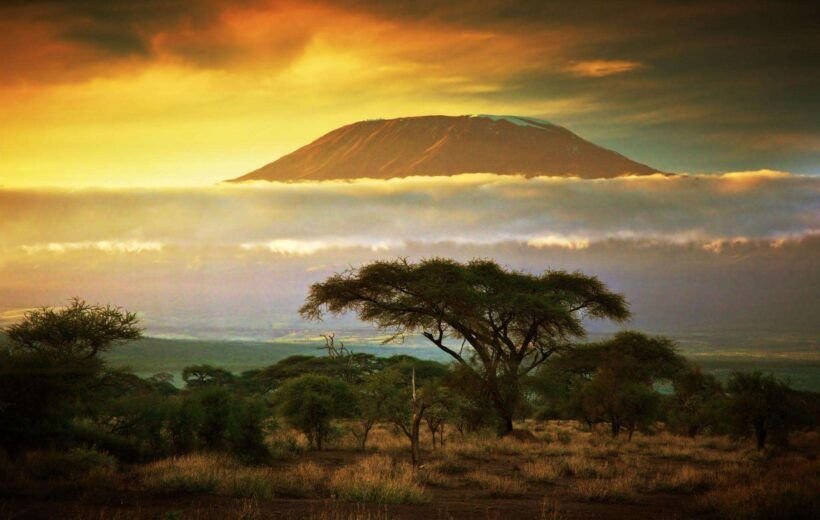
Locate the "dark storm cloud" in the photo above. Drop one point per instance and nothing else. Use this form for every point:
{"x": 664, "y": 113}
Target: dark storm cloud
{"x": 685, "y": 86}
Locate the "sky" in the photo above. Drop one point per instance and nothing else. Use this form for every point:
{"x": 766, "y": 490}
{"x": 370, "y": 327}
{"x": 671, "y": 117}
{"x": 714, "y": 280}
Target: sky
{"x": 192, "y": 92}
{"x": 119, "y": 120}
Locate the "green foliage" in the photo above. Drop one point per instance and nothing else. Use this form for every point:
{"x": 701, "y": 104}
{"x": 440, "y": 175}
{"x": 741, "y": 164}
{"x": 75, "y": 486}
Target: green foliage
{"x": 310, "y": 403}
{"x": 40, "y": 396}
{"x": 511, "y": 321}
{"x": 352, "y": 368}
{"x": 764, "y": 406}
{"x": 185, "y": 417}
{"x": 215, "y": 403}
{"x": 51, "y": 372}
{"x": 74, "y": 463}
{"x": 201, "y": 376}
{"x": 697, "y": 404}
{"x": 612, "y": 381}
{"x": 246, "y": 431}
{"x": 78, "y": 331}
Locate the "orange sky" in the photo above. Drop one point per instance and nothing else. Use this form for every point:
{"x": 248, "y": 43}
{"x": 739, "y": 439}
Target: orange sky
{"x": 193, "y": 92}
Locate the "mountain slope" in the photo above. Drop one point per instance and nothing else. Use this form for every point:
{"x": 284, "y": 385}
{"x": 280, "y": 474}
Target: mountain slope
{"x": 445, "y": 145}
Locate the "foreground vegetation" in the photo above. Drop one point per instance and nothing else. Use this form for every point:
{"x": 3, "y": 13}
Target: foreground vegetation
{"x": 525, "y": 415}
{"x": 564, "y": 471}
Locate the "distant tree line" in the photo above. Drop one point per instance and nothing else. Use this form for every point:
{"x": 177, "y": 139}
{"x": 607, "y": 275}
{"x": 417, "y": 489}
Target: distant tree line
{"x": 514, "y": 339}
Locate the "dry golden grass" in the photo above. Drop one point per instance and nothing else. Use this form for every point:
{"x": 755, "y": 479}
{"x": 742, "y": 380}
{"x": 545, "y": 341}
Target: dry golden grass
{"x": 687, "y": 479}
{"x": 378, "y": 479}
{"x": 542, "y": 470}
{"x": 448, "y": 463}
{"x": 724, "y": 477}
{"x": 789, "y": 489}
{"x": 623, "y": 488}
{"x": 199, "y": 473}
{"x": 204, "y": 473}
{"x": 496, "y": 486}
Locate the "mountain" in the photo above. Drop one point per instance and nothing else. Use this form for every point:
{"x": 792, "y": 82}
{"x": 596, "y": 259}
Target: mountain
{"x": 447, "y": 145}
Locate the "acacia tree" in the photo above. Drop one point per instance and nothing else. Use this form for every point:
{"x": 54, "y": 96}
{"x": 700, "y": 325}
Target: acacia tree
{"x": 52, "y": 364}
{"x": 310, "y": 403}
{"x": 407, "y": 400}
{"x": 79, "y": 330}
{"x": 617, "y": 378}
{"x": 763, "y": 405}
{"x": 510, "y": 321}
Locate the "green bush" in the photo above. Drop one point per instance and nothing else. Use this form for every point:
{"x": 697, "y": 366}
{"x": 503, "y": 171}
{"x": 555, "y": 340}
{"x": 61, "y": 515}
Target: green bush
{"x": 246, "y": 431}
{"x": 74, "y": 463}
{"x": 310, "y": 403}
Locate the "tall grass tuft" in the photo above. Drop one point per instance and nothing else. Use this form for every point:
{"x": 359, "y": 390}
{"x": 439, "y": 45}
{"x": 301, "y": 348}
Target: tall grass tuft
{"x": 380, "y": 480}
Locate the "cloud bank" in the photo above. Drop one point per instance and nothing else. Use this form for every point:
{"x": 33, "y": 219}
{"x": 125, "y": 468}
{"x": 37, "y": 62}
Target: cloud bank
{"x": 473, "y": 208}
{"x": 739, "y": 249}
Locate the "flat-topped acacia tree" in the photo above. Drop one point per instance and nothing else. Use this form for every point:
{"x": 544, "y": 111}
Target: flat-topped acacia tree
{"x": 511, "y": 321}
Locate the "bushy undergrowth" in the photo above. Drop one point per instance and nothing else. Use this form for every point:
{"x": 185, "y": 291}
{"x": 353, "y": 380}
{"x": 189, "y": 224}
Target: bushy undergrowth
{"x": 71, "y": 464}
{"x": 378, "y": 479}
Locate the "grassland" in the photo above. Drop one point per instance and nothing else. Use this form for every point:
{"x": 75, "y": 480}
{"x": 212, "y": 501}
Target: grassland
{"x": 565, "y": 472}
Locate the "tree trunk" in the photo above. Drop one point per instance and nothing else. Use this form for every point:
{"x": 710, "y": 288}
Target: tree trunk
{"x": 365, "y": 433}
{"x": 414, "y": 438}
{"x": 616, "y": 427}
{"x": 505, "y": 425}
{"x": 760, "y": 435}
{"x": 418, "y": 413}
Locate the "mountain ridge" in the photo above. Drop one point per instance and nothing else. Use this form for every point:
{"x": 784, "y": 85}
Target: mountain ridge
{"x": 447, "y": 145}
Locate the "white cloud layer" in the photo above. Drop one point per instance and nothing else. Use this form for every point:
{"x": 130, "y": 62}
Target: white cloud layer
{"x": 305, "y": 218}
{"x": 741, "y": 248}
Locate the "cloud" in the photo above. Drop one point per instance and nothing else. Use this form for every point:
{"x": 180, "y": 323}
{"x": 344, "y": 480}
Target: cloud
{"x": 601, "y": 68}
{"x": 737, "y": 251}
{"x": 308, "y": 218}
{"x": 107, "y": 246}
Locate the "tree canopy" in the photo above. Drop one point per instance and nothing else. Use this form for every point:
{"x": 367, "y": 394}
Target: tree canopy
{"x": 79, "y": 330}
{"x": 511, "y": 321}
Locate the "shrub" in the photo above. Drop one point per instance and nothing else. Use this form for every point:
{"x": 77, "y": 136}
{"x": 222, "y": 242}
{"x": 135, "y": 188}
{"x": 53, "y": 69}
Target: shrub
{"x": 71, "y": 464}
{"x": 310, "y": 403}
{"x": 216, "y": 404}
{"x": 185, "y": 418}
{"x": 378, "y": 479}
{"x": 246, "y": 431}
{"x": 184, "y": 475}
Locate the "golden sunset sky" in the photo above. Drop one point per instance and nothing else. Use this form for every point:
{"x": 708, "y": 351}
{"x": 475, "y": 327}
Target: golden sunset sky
{"x": 192, "y": 92}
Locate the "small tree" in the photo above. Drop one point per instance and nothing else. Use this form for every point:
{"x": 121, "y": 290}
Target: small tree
{"x": 185, "y": 416}
{"x": 621, "y": 373}
{"x": 216, "y": 404}
{"x": 408, "y": 399}
{"x": 247, "y": 428}
{"x": 762, "y": 405}
{"x": 51, "y": 369}
{"x": 200, "y": 376}
{"x": 79, "y": 331}
{"x": 510, "y": 321}
{"x": 697, "y": 402}
{"x": 310, "y": 403}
